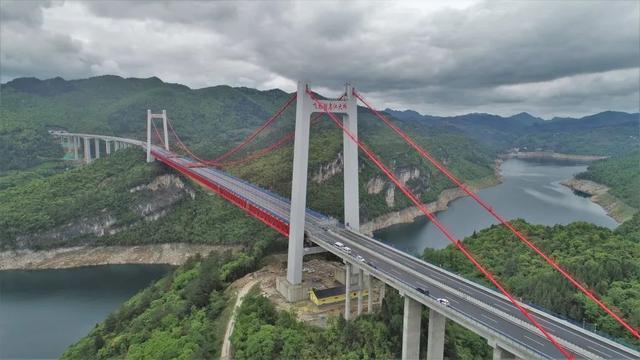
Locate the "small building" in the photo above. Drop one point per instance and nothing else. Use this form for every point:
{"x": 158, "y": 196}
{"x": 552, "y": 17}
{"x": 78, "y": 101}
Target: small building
{"x": 332, "y": 295}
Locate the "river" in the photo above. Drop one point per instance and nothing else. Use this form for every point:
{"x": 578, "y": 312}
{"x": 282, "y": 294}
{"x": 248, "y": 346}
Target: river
{"x": 42, "y": 312}
{"x": 530, "y": 190}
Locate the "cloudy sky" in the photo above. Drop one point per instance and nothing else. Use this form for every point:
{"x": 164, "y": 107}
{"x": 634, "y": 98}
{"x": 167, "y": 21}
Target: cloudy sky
{"x": 548, "y": 58}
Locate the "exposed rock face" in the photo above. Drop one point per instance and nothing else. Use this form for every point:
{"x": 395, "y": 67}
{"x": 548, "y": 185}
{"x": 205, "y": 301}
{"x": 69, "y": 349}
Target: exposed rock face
{"x": 60, "y": 258}
{"x": 378, "y": 184}
{"x": 158, "y": 197}
{"x": 410, "y": 214}
{"x": 327, "y": 171}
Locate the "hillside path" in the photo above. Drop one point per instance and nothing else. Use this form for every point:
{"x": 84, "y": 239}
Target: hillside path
{"x": 225, "y": 353}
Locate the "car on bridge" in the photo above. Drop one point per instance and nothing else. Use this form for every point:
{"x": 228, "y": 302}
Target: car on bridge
{"x": 443, "y": 301}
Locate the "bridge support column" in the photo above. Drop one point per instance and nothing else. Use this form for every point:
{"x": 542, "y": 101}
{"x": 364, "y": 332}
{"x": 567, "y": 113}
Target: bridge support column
{"x": 369, "y": 294}
{"x": 76, "y": 145}
{"x": 87, "y": 150}
{"x": 360, "y": 289}
{"x": 435, "y": 344}
{"x": 97, "y": 144}
{"x": 107, "y": 145}
{"x": 383, "y": 288}
{"x": 347, "y": 291}
{"x": 411, "y": 329}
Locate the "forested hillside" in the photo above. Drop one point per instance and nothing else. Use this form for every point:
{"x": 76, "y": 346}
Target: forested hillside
{"x": 605, "y": 133}
{"x": 607, "y": 261}
{"x": 621, "y": 174}
{"x": 116, "y": 201}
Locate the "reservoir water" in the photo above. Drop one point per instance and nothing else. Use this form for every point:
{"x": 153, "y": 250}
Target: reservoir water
{"x": 42, "y": 312}
{"x": 530, "y": 190}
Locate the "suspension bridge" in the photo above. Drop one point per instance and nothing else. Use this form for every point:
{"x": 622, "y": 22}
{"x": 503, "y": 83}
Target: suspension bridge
{"x": 512, "y": 328}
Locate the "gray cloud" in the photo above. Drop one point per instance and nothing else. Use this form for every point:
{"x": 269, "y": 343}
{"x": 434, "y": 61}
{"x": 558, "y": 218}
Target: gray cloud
{"x": 548, "y": 58}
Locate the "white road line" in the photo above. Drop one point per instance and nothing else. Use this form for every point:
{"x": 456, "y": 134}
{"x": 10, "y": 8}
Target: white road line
{"x": 489, "y": 318}
{"x": 534, "y": 340}
{"x": 598, "y": 352}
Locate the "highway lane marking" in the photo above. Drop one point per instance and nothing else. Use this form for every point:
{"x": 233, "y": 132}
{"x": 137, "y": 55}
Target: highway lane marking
{"x": 598, "y": 352}
{"x": 486, "y": 317}
{"x": 534, "y": 340}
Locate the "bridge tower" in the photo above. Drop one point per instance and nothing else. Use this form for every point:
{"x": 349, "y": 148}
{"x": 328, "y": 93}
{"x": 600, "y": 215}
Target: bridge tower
{"x": 291, "y": 287}
{"x": 150, "y": 117}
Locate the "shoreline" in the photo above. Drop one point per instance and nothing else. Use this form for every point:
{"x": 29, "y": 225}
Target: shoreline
{"x": 409, "y": 215}
{"x": 81, "y": 256}
{"x": 599, "y": 194}
{"x": 549, "y": 155}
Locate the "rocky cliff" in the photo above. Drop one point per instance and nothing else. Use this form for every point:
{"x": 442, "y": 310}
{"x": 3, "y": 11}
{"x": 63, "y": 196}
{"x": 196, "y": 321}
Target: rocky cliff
{"x": 157, "y": 197}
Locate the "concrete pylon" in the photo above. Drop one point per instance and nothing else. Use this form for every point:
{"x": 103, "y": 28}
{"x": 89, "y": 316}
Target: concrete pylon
{"x": 149, "y": 119}
{"x": 411, "y": 329}
{"x": 107, "y": 146}
{"x": 164, "y": 127}
{"x": 435, "y": 344}
{"x": 350, "y": 168}
{"x": 291, "y": 287}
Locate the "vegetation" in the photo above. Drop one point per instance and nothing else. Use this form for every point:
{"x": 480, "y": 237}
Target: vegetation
{"x": 620, "y": 173}
{"x": 607, "y": 261}
{"x": 262, "y": 332}
{"x": 103, "y": 188}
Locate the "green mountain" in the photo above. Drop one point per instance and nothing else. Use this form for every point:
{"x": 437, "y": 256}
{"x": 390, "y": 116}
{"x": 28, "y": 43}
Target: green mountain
{"x": 605, "y": 133}
{"x": 605, "y": 260}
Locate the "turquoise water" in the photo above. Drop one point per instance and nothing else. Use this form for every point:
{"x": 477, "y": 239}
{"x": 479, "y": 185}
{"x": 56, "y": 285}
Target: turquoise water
{"x": 530, "y": 190}
{"x": 42, "y": 312}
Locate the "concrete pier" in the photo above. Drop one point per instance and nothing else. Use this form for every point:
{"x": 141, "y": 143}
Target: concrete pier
{"x": 435, "y": 345}
{"x": 347, "y": 292}
{"x": 107, "y": 146}
{"x": 369, "y": 294}
{"x": 360, "y": 288}
{"x": 97, "y": 144}
{"x": 411, "y": 329}
{"x": 87, "y": 150}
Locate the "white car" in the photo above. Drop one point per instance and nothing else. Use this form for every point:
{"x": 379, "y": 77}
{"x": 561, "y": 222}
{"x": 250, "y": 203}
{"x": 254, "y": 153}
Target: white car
{"x": 346, "y": 249}
{"x": 443, "y": 301}
{"x": 361, "y": 259}
{"x": 338, "y": 244}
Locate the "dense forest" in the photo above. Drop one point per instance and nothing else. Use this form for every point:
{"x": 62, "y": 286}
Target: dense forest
{"x": 607, "y": 261}
{"x": 262, "y": 332}
{"x": 621, "y": 174}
